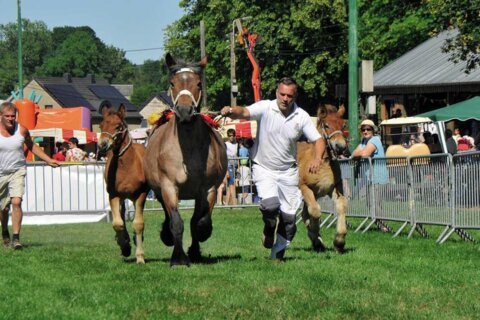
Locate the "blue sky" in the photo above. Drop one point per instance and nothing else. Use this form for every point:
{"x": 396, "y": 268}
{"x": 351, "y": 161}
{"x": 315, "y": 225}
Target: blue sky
{"x": 125, "y": 24}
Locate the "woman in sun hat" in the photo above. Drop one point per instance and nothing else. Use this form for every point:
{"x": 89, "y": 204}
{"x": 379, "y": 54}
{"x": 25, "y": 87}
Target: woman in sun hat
{"x": 371, "y": 146}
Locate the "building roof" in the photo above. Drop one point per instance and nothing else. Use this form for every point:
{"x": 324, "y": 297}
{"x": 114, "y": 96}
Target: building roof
{"x": 86, "y": 92}
{"x": 425, "y": 69}
{"x": 162, "y": 96}
{"x": 125, "y": 89}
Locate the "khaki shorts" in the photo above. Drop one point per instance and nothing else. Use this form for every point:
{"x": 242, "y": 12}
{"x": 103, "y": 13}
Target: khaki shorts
{"x": 11, "y": 185}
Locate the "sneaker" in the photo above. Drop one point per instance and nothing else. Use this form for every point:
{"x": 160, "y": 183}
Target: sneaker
{"x": 17, "y": 245}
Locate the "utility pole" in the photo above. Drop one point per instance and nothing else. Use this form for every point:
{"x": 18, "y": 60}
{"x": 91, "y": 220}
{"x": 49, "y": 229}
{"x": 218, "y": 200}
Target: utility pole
{"x": 352, "y": 74}
{"x": 233, "y": 80}
{"x": 20, "y": 58}
{"x": 203, "y": 54}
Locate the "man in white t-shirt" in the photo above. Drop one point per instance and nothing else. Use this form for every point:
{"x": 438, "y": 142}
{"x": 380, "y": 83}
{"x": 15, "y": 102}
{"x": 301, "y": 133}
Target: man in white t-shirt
{"x": 280, "y": 123}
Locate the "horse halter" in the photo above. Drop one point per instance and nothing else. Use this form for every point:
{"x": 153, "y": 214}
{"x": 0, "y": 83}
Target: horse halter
{"x": 115, "y": 137}
{"x": 185, "y": 92}
{"x": 328, "y": 138}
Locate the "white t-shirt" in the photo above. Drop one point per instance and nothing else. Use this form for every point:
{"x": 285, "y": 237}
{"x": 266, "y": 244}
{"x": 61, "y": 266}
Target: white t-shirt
{"x": 275, "y": 147}
{"x": 232, "y": 151}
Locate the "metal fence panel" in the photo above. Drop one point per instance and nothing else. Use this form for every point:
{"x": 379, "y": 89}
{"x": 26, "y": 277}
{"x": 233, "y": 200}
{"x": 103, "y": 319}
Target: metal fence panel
{"x": 431, "y": 189}
{"x": 68, "y": 189}
{"x": 466, "y": 192}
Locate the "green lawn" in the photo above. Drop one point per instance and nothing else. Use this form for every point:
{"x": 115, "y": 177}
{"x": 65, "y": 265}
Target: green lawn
{"x": 76, "y": 272}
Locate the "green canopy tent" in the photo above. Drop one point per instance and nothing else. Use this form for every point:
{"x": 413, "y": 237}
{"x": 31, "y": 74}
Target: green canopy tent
{"x": 465, "y": 110}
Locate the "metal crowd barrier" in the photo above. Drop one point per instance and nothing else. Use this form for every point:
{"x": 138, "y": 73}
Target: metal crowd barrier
{"x": 69, "y": 189}
{"x": 415, "y": 191}
{"x": 424, "y": 190}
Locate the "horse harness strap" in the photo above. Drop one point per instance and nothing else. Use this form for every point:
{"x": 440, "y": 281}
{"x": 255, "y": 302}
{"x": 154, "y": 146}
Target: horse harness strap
{"x": 328, "y": 137}
{"x": 114, "y": 138}
{"x": 184, "y": 92}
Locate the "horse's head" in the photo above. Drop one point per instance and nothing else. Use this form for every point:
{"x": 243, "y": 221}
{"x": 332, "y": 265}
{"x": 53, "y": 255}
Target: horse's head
{"x": 113, "y": 127}
{"x": 330, "y": 124}
{"x": 185, "y": 87}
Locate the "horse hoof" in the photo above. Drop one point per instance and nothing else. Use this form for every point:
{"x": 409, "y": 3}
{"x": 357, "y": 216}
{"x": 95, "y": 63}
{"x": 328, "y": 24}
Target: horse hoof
{"x": 180, "y": 262}
{"x": 339, "y": 245}
{"x": 194, "y": 255}
{"x": 140, "y": 259}
{"x": 319, "y": 245}
{"x": 126, "y": 250}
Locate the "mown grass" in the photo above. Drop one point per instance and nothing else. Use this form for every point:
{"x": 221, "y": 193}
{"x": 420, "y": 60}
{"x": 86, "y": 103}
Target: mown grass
{"x": 76, "y": 272}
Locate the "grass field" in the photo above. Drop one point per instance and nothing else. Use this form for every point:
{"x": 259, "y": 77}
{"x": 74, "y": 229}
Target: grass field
{"x": 76, "y": 272}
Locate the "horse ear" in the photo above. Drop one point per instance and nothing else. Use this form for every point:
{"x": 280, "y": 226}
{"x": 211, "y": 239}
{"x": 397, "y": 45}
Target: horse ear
{"x": 104, "y": 107}
{"x": 322, "y": 111}
{"x": 341, "y": 110}
{"x": 203, "y": 62}
{"x": 122, "y": 111}
{"x": 169, "y": 60}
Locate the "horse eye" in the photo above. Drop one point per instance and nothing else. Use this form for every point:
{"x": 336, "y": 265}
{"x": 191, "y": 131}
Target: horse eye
{"x": 171, "y": 84}
{"x": 199, "y": 84}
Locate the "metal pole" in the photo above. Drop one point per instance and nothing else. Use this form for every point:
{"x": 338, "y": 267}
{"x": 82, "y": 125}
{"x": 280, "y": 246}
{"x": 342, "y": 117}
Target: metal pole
{"x": 203, "y": 54}
{"x": 352, "y": 74}
{"x": 20, "y": 65}
{"x": 233, "y": 80}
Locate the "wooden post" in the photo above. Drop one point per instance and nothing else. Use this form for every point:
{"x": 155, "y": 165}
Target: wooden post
{"x": 203, "y": 54}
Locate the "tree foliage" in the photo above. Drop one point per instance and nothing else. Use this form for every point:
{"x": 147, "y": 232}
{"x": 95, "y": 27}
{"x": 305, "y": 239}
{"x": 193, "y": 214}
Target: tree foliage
{"x": 76, "y": 50}
{"x": 463, "y": 15}
{"x": 308, "y": 40}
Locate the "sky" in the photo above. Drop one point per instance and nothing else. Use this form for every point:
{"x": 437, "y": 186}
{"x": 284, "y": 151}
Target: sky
{"x": 129, "y": 25}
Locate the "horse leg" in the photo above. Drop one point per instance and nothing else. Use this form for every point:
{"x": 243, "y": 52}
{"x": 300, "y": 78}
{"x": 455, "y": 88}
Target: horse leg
{"x": 201, "y": 223}
{"x": 165, "y": 233}
{"x": 341, "y": 208}
{"x": 170, "y": 201}
{"x": 138, "y": 226}
{"x": 118, "y": 213}
{"x": 312, "y": 211}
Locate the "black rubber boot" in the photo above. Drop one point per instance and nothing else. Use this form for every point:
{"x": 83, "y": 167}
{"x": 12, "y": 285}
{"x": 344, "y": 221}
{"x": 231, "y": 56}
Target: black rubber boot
{"x": 270, "y": 224}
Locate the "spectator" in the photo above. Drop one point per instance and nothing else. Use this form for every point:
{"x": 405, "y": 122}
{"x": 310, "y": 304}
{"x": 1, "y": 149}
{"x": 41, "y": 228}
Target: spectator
{"x": 75, "y": 153}
{"x": 232, "y": 154}
{"x": 451, "y": 144}
{"x": 371, "y": 146}
{"x": 477, "y": 141}
{"x": 62, "y": 152}
{"x": 456, "y": 134}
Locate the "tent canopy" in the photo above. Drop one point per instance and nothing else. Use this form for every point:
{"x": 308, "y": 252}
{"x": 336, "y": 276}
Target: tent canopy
{"x": 84, "y": 136}
{"x": 465, "y": 110}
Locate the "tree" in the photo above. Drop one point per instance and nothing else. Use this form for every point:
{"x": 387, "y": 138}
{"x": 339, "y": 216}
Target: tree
{"x": 301, "y": 39}
{"x": 78, "y": 55}
{"x": 390, "y": 28}
{"x": 464, "y": 16}
{"x": 36, "y": 44}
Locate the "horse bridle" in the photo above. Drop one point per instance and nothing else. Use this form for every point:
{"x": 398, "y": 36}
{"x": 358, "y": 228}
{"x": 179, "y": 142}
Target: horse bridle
{"x": 115, "y": 137}
{"x": 185, "y": 92}
{"x": 328, "y": 138}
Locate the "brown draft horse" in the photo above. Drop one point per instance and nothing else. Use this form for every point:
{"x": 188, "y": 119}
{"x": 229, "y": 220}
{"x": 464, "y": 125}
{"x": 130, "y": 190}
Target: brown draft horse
{"x": 185, "y": 159}
{"x": 124, "y": 176}
{"x": 327, "y": 180}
